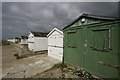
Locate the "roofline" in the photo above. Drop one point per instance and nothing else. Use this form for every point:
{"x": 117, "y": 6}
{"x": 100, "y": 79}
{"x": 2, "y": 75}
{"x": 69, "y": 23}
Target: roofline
{"x": 54, "y": 29}
{"x": 30, "y": 32}
{"x": 38, "y": 32}
{"x": 91, "y": 16}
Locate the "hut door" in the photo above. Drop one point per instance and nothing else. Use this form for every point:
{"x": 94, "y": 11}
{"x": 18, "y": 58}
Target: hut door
{"x": 102, "y": 47}
{"x": 71, "y": 47}
{"x": 71, "y": 39}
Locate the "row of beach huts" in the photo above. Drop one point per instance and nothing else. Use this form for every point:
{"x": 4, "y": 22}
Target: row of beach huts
{"x": 90, "y": 42}
{"x": 39, "y": 41}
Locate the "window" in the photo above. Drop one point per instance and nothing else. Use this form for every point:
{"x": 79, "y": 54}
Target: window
{"x": 101, "y": 39}
{"x": 71, "y": 42}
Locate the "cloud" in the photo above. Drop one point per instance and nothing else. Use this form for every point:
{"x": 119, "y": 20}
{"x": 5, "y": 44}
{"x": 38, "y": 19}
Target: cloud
{"x": 21, "y": 17}
{"x": 60, "y": 0}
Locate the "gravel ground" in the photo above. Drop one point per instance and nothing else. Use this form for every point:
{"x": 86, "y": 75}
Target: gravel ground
{"x": 56, "y": 72}
{"x": 66, "y": 71}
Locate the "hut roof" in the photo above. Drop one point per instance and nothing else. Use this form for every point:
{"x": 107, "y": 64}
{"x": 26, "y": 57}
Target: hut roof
{"x": 39, "y": 34}
{"x": 106, "y": 18}
{"x": 55, "y": 29}
{"x": 24, "y": 37}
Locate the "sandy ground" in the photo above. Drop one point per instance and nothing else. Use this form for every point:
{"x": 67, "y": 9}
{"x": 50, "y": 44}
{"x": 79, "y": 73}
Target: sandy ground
{"x": 26, "y": 67}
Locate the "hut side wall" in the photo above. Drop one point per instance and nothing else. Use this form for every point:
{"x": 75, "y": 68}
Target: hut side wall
{"x": 37, "y": 43}
{"x": 40, "y": 43}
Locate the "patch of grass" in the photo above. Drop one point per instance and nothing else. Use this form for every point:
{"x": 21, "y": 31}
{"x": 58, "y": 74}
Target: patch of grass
{"x": 17, "y": 56}
{"x": 4, "y": 42}
{"x": 40, "y": 52}
{"x": 60, "y": 65}
{"x": 21, "y": 55}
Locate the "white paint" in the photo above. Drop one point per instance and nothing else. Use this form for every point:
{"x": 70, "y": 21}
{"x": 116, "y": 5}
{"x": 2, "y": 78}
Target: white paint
{"x": 24, "y": 41}
{"x": 55, "y": 44}
{"x": 37, "y": 43}
{"x": 12, "y": 40}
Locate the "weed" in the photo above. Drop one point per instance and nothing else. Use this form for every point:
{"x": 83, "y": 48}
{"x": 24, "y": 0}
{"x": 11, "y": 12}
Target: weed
{"x": 60, "y": 66}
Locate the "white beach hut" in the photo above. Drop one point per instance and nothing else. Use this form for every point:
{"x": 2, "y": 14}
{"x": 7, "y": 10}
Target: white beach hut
{"x": 12, "y": 40}
{"x": 37, "y": 41}
{"x": 55, "y": 44}
{"x": 23, "y": 40}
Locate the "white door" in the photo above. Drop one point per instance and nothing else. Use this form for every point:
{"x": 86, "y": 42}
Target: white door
{"x": 55, "y": 52}
{"x": 59, "y": 40}
{"x": 30, "y": 46}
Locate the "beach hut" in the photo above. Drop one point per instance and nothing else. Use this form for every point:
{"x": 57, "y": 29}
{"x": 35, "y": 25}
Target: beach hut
{"x": 13, "y": 40}
{"x": 23, "y": 40}
{"x": 55, "y": 44}
{"x": 92, "y": 42}
{"x": 37, "y": 41}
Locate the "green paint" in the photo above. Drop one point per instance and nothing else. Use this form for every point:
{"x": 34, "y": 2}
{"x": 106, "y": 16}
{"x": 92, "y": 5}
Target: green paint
{"x": 89, "y": 45}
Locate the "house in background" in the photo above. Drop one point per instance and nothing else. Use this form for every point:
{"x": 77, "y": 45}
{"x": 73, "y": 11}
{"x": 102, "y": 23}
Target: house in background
{"x": 37, "y": 41}
{"x": 23, "y": 40}
{"x": 55, "y": 44}
{"x": 17, "y": 40}
{"x": 13, "y": 40}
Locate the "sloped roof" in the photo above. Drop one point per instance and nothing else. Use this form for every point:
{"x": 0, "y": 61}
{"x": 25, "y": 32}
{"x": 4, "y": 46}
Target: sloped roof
{"x": 55, "y": 29}
{"x": 24, "y": 37}
{"x": 93, "y": 17}
{"x": 17, "y": 37}
{"x": 39, "y": 34}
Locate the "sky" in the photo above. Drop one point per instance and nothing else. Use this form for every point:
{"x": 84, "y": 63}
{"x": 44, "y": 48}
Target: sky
{"x": 0, "y": 21}
{"x": 18, "y": 18}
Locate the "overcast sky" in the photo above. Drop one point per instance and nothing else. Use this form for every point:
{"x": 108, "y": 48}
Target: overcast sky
{"x": 18, "y": 18}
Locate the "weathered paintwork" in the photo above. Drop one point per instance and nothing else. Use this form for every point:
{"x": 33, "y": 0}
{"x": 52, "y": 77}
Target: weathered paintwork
{"x": 94, "y": 47}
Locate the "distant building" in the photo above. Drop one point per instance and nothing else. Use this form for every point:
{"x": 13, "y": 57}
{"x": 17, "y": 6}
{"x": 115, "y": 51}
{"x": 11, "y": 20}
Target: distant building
{"x": 37, "y": 41}
{"x": 55, "y": 44}
{"x": 12, "y": 40}
{"x": 23, "y": 40}
{"x": 17, "y": 39}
